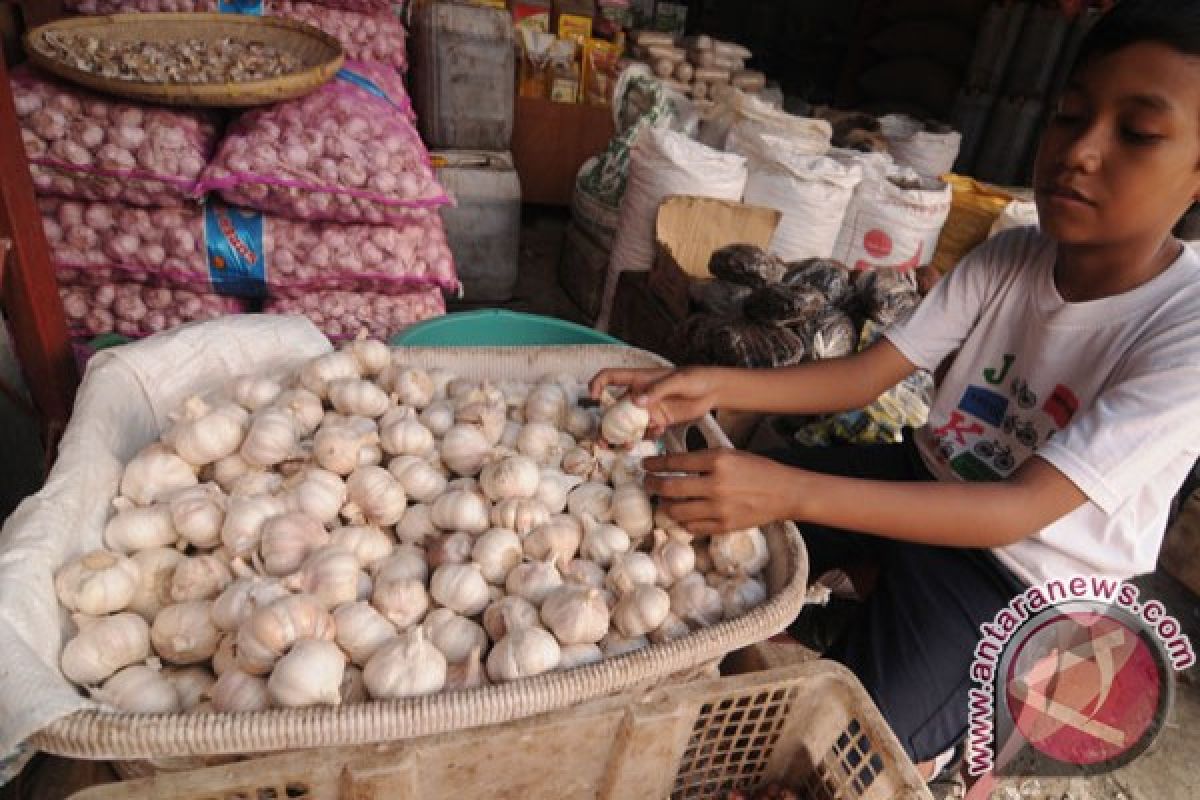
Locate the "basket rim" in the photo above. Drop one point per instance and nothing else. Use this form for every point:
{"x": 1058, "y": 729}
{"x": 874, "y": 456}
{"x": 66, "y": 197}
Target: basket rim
{"x": 218, "y": 95}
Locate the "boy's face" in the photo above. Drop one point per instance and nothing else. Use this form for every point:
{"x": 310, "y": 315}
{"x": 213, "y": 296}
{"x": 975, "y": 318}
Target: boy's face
{"x": 1119, "y": 161}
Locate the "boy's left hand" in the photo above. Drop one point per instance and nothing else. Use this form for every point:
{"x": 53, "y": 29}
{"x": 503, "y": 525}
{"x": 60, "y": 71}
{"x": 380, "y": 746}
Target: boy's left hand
{"x": 724, "y": 490}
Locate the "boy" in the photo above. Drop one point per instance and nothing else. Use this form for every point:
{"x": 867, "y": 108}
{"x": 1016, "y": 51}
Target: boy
{"x": 1069, "y": 417}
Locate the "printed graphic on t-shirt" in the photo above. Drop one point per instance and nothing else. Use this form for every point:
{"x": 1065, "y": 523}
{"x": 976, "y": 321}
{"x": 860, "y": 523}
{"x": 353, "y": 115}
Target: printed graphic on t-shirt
{"x": 998, "y": 425}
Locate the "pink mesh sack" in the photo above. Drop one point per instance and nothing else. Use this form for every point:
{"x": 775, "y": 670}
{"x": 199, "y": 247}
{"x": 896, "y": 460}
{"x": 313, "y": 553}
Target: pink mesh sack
{"x": 133, "y": 310}
{"x": 343, "y": 315}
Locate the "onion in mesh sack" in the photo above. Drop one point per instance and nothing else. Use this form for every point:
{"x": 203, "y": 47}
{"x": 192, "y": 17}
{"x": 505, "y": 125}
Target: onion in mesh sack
{"x": 696, "y": 336}
{"x": 749, "y": 344}
{"x": 830, "y": 334}
{"x": 747, "y": 265}
{"x": 886, "y": 295}
{"x": 719, "y": 297}
{"x": 827, "y": 276}
{"x": 783, "y": 305}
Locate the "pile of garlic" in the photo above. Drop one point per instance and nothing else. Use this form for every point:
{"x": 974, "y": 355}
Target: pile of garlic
{"x": 368, "y": 529}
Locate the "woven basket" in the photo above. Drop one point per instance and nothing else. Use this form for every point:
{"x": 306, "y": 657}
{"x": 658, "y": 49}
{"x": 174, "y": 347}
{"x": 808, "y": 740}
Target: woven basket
{"x": 124, "y": 736}
{"x": 320, "y": 53}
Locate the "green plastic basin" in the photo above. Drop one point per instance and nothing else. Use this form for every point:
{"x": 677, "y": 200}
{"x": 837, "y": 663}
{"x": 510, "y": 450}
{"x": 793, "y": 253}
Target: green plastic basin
{"x": 498, "y": 328}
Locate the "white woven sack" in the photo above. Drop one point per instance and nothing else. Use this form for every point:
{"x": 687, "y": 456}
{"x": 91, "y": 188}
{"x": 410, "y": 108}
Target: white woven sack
{"x": 930, "y": 154}
{"x": 811, "y": 191}
{"x": 735, "y": 106}
{"x": 890, "y": 226}
{"x": 664, "y": 163}
{"x": 1016, "y": 214}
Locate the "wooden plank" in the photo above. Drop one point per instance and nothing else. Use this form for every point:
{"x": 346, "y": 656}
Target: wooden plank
{"x": 551, "y": 141}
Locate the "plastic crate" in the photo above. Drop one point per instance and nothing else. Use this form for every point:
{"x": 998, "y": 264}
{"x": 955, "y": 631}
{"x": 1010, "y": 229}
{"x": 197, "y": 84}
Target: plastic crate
{"x": 811, "y": 726}
{"x": 498, "y": 328}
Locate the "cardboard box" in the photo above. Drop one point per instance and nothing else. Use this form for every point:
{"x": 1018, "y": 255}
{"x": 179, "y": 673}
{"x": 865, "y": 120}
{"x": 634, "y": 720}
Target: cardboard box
{"x": 688, "y": 230}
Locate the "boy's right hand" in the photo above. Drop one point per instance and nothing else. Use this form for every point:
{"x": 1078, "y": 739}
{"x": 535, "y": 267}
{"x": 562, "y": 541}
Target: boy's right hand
{"x": 672, "y": 396}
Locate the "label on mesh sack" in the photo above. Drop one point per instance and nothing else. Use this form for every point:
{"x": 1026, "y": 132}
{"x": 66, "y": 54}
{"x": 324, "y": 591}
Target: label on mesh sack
{"x": 253, "y": 8}
{"x": 233, "y": 241}
{"x": 363, "y": 82}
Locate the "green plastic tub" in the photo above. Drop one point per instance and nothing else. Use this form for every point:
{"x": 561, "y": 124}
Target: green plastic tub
{"x": 498, "y": 328}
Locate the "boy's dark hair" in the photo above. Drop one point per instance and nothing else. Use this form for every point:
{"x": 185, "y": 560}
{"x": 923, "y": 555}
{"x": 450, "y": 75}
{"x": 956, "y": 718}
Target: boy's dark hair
{"x": 1175, "y": 23}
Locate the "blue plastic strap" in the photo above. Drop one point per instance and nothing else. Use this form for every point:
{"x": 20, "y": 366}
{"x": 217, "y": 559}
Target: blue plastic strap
{"x": 363, "y": 82}
{"x": 237, "y": 262}
{"x": 251, "y": 7}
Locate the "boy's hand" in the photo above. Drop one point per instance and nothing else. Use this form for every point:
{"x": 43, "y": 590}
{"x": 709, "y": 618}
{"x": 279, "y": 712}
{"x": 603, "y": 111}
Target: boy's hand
{"x": 725, "y": 490}
{"x": 672, "y": 396}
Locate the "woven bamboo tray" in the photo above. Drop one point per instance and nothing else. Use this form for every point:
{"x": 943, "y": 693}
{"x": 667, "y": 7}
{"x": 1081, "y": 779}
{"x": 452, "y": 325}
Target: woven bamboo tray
{"x": 320, "y": 54}
{"x": 124, "y": 736}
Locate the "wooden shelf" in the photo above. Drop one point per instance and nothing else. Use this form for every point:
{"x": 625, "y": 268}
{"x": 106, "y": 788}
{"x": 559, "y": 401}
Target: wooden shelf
{"x": 551, "y": 141}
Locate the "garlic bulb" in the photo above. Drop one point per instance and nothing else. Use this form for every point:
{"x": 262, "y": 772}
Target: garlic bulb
{"x": 519, "y": 514}
{"x": 533, "y": 580}
{"x": 192, "y": 684}
{"x": 641, "y": 610}
{"x": 197, "y": 514}
{"x": 257, "y": 482}
{"x": 575, "y": 614}
{"x": 340, "y": 446}
{"x": 135, "y": 528}
{"x": 358, "y": 397}
{"x": 406, "y": 561}
{"x": 507, "y": 614}
{"x": 441, "y": 378}
{"x": 579, "y": 655}
{"x": 407, "y": 437}
{"x": 593, "y": 499}
{"x": 585, "y": 573}
{"x": 464, "y": 449}
{"x": 184, "y": 633}
{"x": 319, "y": 372}
{"x": 407, "y": 666}
{"x": 104, "y": 645}
{"x": 361, "y": 631}
{"x": 558, "y": 538}
{"x": 461, "y": 510}
{"x": 630, "y": 569}
{"x": 154, "y": 473}
{"x": 516, "y": 393}
{"x": 523, "y": 653}
{"x": 199, "y": 578}
{"x": 512, "y": 477}
{"x": 496, "y": 552}
{"x": 139, "y": 688}
{"x": 449, "y": 548}
{"x": 245, "y": 518}
{"x": 602, "y": 542}
{"x": 330, "y": 574}
{"x": 369, "y": 544}
{"x": 438, "y": 417}
{"x": 420, "y": 480}
{"x": 252, "y": 392}
{"x": 673, "y": 556}
{"x": 353, "y": 688}
{"x": 459, "y": 587}
{"x": 704, "y": 563}
{"x": 412, "y": 387}
{"x": 202, "y": 434}
{"x": 287, "y": 539}
{"x": 155, "y": 569}
{"x": 695, "y": 602}
{"x": 403, "y": 601}
{"x": 672, "y": 628}
{"x": 373, "y": 496}
{"x": 304, "y": 407}
{"x": 228, "y": 470}
{"x": 631, "y": 510}
{"x": 225, "y": 658}
{"x": 237, "y": 601}
{"x": 740, "y": 594}
{"x": 546, "y": 403}
{"x": 467, "y": 674}
{"x": 99, "y": 582}
{"x": 310, "y": 674}
{"x": 624, "y": 423}
{"x": 512, "y": 432}
{"x": 272, "y": 629}
{"x": 740, "y": 551}
{"x": 273, "y": 438}
{"x": 552, "y": 489}
{"x": 614, "y": 644}
{"x": 318, "y": 493}
{"x": 540, "y": 442}
{"x": 579, "y": 462}
{"x": 456, "y": 636}
{"x": 626, "y": 472}
{"x": 485, "y": 408}
{"x": 581, "y": 423}
{"x": 236, "y": 690}
{"x": 372, "y": 355}
{"x": 416, "y": 525}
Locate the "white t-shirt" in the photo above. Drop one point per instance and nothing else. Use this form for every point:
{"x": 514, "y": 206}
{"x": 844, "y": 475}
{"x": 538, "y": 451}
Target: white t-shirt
{"x": 1107, "y": 391}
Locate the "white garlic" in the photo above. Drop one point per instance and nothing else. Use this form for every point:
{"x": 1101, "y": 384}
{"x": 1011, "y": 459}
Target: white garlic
{"x": 672, "y": 628}
{"x": 516, "y": 393}
{"x": 540, "y": 442}
{"x": 237, "y": 601}
{"x": 406, "y": 561}
{"x": 546, "y": 403}
{"x": 199, "y": 578}
{"x": 456, "y": 636}
{"x": 740, "y": 551}
{"x": 485, "y": 408}
{"x": 154, "y": 473}
{"x": 252, "y": 392}
{"x": 740, "y": 594}
{"x": 407, "y": 666}
{"x": 257, "y": 482}
{"x": 673, "y": 556}
{"x": 406, "y": 437}
{"x": 438, "y": 417}
{"x": 615, "y": 644}
{"x": 602, "y": 542}
{"x": 412, "y": 387}
{"x": 593, "y": 499}
{"x": 695, "y": 602}
{"x": 272, "y": 629}
{"x": 416, "y": 525}
{"x": 461, "y": 510}
{"x": 575, "y": 614}
{"x": 624, "y": 423}
{"x": 340, "y": 446}
{"x": 459, "y": 587}
{"x": 626, "y": 472}
{"x": 330, "y": 574}
{"x": 584, "y": 573}
{"x": 361, "y": 630}
{"x": 464, "y": 449}
{"x": 512, "y": 431}
{"x": 579, "y": 655}
{"x": 507, "y": 614}
{"x": 372, "y": 355}
{"x": 631, "y": 510}
{"x": 318, "y": 493}
{"x": 579, "y": 462}
{"x": 558, "y": 538}
{"x": 273, "y": 438}
{"x": 229, "y": 469}
{"x": 533, "y": 580}
{"x": 155, "y": 569}
{"x": 403, "y": 601}
{"x": 319, "y": 372}
{"x": 449, "y": 548}
{"x": 245, "y": 518}
{"x": 184, "y": 633}
{"x": 496, "y": 552}
{"x": 581, "y": 423}
{"x": 358, "y": 397}
{"x": 369, "y": 544}
{"x": 197, "y": 514}
{"x": 135, "y": 528}
{"x": 236, "y": 690}
{"x": 225, "y": 658}
{"x": 523, "y": 653}
{"x": 99, "y": 582}
{"x": 202, "y": 434}
{"x": 373, "y": 497}
{"x": 467, "y": 674}
{"x": 520, "y": 514}
{"x": 441, "y": 378}
{"x": 630, "y": 569}
{"x": 353, "y": 688}
{"x": 511, "y": 477}
{"x": 104, "y": 645}
{"x": 140, "y": 689}
{"x": 641, "y": 610}
{"x": 304, "y": 407}
{"x": 287, "y": 539}
{"x": 552, "y": 489}
{"x": 310, "y": 674}
{"x": 192, "y": 683}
